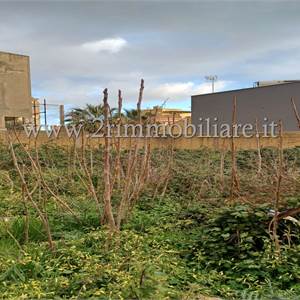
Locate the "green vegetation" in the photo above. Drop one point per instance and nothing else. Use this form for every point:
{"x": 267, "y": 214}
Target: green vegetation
{"x": 182, "y": 243}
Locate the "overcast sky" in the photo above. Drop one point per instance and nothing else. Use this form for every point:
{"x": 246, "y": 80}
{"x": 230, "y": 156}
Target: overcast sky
{"x": 77, "y": 49}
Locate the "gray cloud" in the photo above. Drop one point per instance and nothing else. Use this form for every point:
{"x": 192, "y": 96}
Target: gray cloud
{"x": 78, "y": 48}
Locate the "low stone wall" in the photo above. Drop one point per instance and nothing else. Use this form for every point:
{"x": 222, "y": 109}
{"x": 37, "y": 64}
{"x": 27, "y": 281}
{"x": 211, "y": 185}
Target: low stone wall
{"x": 290, "y": 140}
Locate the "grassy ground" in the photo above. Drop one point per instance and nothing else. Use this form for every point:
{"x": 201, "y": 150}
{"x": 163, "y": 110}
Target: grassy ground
{"x": 190, "y": 242}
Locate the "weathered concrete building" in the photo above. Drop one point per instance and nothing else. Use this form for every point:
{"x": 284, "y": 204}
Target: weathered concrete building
{"x": 267, "y": 102}
{"x": 15, "y": 88}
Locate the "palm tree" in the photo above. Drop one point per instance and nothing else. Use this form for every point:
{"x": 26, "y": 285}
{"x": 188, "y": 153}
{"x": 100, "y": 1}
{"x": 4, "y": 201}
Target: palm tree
{"x": 131, "y": 115}
{"x": 87, "y": 116}
{"x": 82, "y": 115}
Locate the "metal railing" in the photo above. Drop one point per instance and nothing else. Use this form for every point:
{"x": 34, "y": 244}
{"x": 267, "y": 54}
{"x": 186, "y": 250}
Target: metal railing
{"x": 45, "y": 113}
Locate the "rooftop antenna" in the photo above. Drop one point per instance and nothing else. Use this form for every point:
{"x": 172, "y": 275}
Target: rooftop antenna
{"x": 212, "y": 78}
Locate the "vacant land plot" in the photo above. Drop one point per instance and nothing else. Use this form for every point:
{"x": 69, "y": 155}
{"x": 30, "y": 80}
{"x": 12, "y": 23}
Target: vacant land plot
{"x": 184, "y": 226}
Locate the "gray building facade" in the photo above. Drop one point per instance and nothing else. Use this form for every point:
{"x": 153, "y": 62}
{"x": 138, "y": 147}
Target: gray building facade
{"x": 267, "y": 104}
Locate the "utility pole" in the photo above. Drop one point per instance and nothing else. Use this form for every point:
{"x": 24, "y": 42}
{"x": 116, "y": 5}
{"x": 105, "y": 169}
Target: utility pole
{"x": 62, "y": 114}
{"x": 212, "y": 78}
{"x": 34, "y": 113}
{"x": 45, "y": 112}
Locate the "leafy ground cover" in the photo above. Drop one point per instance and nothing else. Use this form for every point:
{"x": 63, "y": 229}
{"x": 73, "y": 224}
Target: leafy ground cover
{"x": 187, "y": 242}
